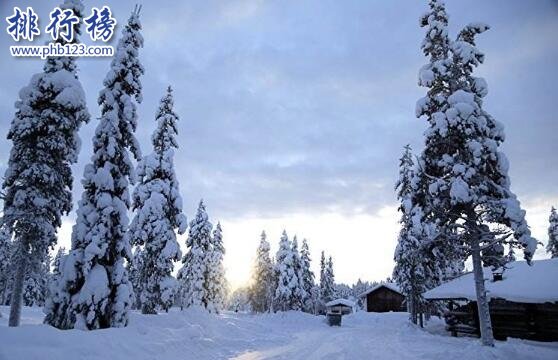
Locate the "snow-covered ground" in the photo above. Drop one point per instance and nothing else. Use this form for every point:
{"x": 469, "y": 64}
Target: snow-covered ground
{"x": 197, "y": 335}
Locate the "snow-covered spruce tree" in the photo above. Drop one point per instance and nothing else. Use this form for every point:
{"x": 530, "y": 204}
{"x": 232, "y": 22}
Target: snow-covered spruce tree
{"x": 327, "y": 280}
{"x": 193, "y": 274}
{"x": 343, "y": 291}
{"x": 552, "y": 246}
{"x": 96, "y": 292}
{"x": 322, "y": 269}
{"x": 55, "y": 278}
{"x": 134, "y": 268}
{"x": 158, "y": 207}
{"x": 468, "y": 193}
{"x": 261, "y": 290}
{"x": 5, "y": 268}
{"x": 323, "y": 265}
{"x": 307, "y": 277}
{"x": 35, "y": 285}
{"x": 315, "y": 299}
{"x": 359, "y": 288}
{"x": 299, "y": 295}
{"x": 442, "y": 260}
{"x": 57, "y": 261}
{"x": 408, "y": 272}
{"x": 45, "y": 143}
{"x": 216, "y": 281}
{"x": 329, "y": 289}
{"x": 287, "y": 282}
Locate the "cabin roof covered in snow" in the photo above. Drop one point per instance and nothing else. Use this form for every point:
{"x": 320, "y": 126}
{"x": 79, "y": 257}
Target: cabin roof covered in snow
{"x": 520, "y": 283}
{"x": 345, "y": 302}
{"x": 389, "y": 285}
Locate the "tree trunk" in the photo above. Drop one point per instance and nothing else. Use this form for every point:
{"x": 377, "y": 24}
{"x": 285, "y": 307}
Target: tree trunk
{"x": 17, "y": 292}
{"x": 487, "y": 338}
{"x": 412, "y": 309}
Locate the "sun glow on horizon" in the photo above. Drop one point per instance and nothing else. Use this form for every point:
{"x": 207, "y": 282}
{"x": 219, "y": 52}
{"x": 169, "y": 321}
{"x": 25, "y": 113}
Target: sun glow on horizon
{"x": 361, "y": 245}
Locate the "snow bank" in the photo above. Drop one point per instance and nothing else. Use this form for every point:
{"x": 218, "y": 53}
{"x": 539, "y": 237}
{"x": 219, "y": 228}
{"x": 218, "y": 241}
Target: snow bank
{"x": 521, "y": 283}
{"x": 196, "y": 334}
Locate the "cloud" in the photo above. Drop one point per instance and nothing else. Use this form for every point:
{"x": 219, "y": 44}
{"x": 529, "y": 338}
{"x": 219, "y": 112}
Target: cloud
{"x": 291, "y": 108}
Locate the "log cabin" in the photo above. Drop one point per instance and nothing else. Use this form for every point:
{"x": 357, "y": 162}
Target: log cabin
{"x": 383, "y": 297}
{"x": 523, "y": 301}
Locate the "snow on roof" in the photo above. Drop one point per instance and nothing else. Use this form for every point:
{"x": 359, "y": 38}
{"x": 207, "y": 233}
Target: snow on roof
{"x": 341, "y": 302}
{"x": 521, "y": 283}
{"x": 389, "y": 285}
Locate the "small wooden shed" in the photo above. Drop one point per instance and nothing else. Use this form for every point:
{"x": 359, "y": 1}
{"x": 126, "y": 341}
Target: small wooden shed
{"x": 384, "y": 298}
{"x": 523, "y": 301}
{"x": 340, "y": 306}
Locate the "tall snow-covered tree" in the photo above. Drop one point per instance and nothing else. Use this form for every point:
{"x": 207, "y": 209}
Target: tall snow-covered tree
{"x": 5, "y": 268}
{"x": 322, "y": 269}
{"x": 343, "y": 291}
{"x": 408, "y": 272}
{"x": 287, "y": 281}
{"x": 35, "y": 285}
{"x": 299, "y": 295}
{"x": 56, "y": 275}
{"x": 442, "y": 259}
{"x": 322, "y": 284}
{"x": 96, "y": 292}
{"x": 261, "y": 290}
{"x": 359, "y": 288}
{"x": 330, "y": 280}
{"x": 38, "y": 181}
{"x": 216, "y": 280}
{"x": 134, "y": 274}
{"x": 158, "y": 207}
{"x": 193, "y": 274}
{"x": 307, "y": 277}
{"x": 57, "y": 261}
{"x": 465, "y": 188}
{"x": 315, "y": 299}
{"x": 327, "y": 280}
{"x": 552, "y": 246}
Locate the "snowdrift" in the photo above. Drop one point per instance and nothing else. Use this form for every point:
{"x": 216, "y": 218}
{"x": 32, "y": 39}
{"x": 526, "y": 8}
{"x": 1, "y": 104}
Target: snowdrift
{"x": 195, "y": 334}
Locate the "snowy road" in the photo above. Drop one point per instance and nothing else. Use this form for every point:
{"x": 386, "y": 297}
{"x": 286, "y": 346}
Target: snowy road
{"x": 388, "y": 336}
{"x": 198, "y": 335}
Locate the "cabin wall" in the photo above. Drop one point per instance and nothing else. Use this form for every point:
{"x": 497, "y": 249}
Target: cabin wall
{"x": 510, "y": 319}
{"x": 522, "y": 320}
{"x": 384, "y": 300}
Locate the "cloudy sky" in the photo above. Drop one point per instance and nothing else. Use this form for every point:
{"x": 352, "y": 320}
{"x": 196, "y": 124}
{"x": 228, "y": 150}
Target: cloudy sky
{"x": 294, "y": 113}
